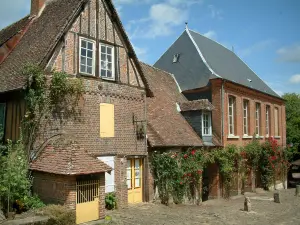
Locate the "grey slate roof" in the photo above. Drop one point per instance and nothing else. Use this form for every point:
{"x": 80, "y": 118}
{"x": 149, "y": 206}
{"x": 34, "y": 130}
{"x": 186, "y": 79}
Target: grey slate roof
{"x": 218, "y": 61}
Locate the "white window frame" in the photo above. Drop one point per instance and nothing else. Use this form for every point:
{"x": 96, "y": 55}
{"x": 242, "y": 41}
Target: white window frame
{"x": 257, "y": 118}
{"x": 113, "y": 61}
{"x": 209, "y": 124}
{"x": 94, "y": 56}
{"x": 109, "y": 177}
{"x": 245, "y": 117}
{"x": 276, "y": 121}
{"x": 233, "y": 112}
{"x": 267, "y": 120}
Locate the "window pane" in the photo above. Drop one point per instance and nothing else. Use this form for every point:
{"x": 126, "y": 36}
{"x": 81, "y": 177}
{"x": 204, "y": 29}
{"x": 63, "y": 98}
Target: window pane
{"x": 89, "y": 62}
{"x": 90, "y": 46}
{"x": 109, "y": 74}
{"x": 83, "y": 43}
{"x": 90, "y": 54}
{"x": 137, "y": 182}
{"x": 109, "y": 58}
{"x": 109, "y": 50}
{"x": 129, "y": 184}
{"x": 103, "y": 49}
{"x": 109, "y": 66}
{"x": 89, "y": 70}
{"x": 83, "y": 69}
{"x": 82, "y": 60}
{"x": 103, "y": 73}
{"x": 83, "y": 52}
{"x": 103, "y": 57}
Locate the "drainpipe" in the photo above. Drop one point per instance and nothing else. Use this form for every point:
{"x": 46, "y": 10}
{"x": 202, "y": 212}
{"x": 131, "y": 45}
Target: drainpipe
{"x": 146, "y": 170}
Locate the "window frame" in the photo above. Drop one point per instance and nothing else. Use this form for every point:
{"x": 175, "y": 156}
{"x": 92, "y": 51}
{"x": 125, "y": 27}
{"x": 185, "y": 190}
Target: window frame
{"x": 257, "y": 118}
{"x": 233, "y": 115}
{"x": 246, "y": 117}
{"x": 209, "y": 123}
{"x": 268, "y": 117}
{"x": 93, "y": 59}
{"x": 113, "y": 71}
{"x": 276, "y": 122}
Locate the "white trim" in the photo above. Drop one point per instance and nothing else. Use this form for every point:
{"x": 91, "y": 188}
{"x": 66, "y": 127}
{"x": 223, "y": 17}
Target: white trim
{"x": 267, "y": 120}
{"x": 257, "y": 117}
{"x": 94, "y": 56}
{"x": 277, "y": 137}
{"x": 247, "y": 114}
{"x": 178, "y": 107}
{"x": 209, "y": 123}
{"x": 233, "y": 137}
{"x": 113, "y": 61}
{"x": 247, "y": 137}
{"x": 176, "y": 82}
{"x": 233, "y": 115}
{"x": 259, "y": 137}
{"x": 200, "y": 53}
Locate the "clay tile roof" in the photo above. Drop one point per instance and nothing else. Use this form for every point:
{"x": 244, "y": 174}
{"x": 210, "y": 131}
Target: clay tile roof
{"x": 202, "y": 104}
{"x": 8, "y": 32}
{"x": 166, "y": 126}
{"x": 71, "y": 160}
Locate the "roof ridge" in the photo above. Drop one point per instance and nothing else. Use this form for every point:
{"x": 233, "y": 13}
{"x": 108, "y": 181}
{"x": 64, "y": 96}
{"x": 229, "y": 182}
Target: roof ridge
{"x": 201, "y": 54}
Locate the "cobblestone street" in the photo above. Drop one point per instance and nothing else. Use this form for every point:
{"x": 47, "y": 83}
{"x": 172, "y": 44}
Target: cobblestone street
{"x": 264, "y": 211}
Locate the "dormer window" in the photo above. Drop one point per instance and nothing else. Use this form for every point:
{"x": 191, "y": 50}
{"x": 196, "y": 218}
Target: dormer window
{"x": 176, "y": 58}
{"x": 206, "y": 124}
{"x": 87, "y": 57}
{"x": 107, "y": 66}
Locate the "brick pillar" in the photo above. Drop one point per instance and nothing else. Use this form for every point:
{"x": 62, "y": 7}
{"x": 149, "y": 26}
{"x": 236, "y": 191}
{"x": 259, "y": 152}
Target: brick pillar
{"x": 214, "y": 181}
{"x": 102, "y": 197}
{"x": 120, "y": 181}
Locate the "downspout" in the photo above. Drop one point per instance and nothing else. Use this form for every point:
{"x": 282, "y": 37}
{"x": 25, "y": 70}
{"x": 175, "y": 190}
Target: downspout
{"x": 222, "y": 112}
{"x": 146, "y": 170}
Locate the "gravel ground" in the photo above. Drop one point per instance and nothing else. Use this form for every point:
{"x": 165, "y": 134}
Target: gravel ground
{"x": 264, "y": 211}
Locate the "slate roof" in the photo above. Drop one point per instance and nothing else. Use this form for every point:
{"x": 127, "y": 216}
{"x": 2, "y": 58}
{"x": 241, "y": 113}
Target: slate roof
{"x": 70, "y": 160}
{"x": 216, "y": 62}
{"x": 202, "y": 104}
{"x": 166, "y": 126}
{"x": 41, "y": 38}
{"x": 8, "y": 32}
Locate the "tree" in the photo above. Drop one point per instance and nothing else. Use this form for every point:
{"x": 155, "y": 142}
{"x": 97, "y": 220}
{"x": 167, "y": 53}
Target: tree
{"x": 292, "y": 117}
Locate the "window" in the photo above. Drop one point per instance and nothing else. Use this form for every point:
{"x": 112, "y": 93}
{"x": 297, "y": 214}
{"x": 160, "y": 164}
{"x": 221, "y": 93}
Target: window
{"x": 107, "y": 62}
{"x": 206, "y": 124}
{"x": 2, "y": 120}
{"x": 231, "y": 115}
{"x": 267, "y": 120}
{"x": 176, "y": 58}
{"x": 87, "y": 57}
{"x": 257, "y": 119}
{"x": 109, "y": 177}
{"x": 107, "y": 120}
{"x": 129, "y": 174}
{"x": 246, "y": 117}
{"x": 276, "y": 122}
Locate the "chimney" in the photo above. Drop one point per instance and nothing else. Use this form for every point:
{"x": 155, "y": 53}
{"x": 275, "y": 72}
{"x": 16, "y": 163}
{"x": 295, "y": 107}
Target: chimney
{"x": 36, "y": 6}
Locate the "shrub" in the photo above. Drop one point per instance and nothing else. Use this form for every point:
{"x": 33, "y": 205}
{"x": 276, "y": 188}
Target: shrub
{"x": 32, "y": 202}
{"x": 110, "y": 201}
{"x": 58, "y": 215}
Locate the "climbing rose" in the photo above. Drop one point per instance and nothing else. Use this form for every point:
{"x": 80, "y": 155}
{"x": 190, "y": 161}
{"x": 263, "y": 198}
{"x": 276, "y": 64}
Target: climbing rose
{"x": 193, "y": 152}
{"x": 181, "y": 183}
{"x": 199, "y": 171}
{"x": 185, "y": 156}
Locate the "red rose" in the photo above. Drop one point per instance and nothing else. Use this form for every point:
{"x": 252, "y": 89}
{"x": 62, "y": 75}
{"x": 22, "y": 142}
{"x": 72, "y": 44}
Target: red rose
{"x": 199, "y": 171}
{"x": 189, "y": 174}
{"x": 185, "y": 156}
{"x": 181, "y": 183}
{"x": 193, "y": 152}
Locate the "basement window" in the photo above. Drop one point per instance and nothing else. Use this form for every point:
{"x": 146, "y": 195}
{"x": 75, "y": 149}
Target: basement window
{"x": 176, "y": 58}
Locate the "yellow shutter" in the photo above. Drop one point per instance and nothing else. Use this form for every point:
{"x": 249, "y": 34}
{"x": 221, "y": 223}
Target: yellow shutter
{"x": 107, "y": 120}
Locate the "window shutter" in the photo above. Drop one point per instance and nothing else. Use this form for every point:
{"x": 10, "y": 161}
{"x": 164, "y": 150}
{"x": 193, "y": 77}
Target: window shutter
{"x": 107, "y": 120}
{"x": 109, "y": 177}
{"x": 2, "y": 120}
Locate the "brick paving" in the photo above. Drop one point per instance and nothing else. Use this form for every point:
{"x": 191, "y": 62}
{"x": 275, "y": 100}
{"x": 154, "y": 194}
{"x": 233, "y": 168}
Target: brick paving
{"x": 264, "y": 211}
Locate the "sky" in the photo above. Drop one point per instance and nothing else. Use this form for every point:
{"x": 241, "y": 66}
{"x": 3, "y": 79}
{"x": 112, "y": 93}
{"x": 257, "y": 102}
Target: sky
{"x": 264, "y": 34}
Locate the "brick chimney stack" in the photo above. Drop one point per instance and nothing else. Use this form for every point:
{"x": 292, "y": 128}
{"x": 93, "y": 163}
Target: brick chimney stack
{"x": 36, "y": 6}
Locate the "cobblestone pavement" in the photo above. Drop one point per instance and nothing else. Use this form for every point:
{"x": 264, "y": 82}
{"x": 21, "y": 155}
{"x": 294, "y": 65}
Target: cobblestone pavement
{"x": 264, "y": 211}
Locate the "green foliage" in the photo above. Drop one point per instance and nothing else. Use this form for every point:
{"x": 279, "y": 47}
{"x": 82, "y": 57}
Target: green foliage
{"x": 59, "y": 215}
{"x": 47, "y": 95}
{"x": 292, "y": 117}
{"x": 110, "y": 201}
{"x": 32, "y": 202}
{"x": 14, "y": 181}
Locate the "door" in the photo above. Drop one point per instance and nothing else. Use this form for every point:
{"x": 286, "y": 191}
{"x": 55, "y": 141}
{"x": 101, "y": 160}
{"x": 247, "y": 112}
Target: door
{"x": 87, "y": 201}
{"x": 134, "y": 180}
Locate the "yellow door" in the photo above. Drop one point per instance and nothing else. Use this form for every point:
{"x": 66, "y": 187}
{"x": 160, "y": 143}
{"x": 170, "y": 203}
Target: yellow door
{"x": 134, "y": 180}
{"x": 87, "y": 201}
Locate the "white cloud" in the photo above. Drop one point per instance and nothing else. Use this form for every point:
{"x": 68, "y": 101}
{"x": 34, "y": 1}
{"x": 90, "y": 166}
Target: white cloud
{"x": 211, "y": 34}
{"x": 257, "y": 47}
{"x": 215, "y": 13}
{"x": 184, "y": 2}
{"x": 289, "y": 53}
{"x": 295, "y": 79}
{"x": 280, "y": 93}
{"x": 12, "y": 11}
{"x": 141, "y": 52}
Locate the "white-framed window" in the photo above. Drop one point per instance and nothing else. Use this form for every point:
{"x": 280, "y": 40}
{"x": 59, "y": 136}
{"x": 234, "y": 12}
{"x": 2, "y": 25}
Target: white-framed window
{"x": 246, "y": 117}
{"x": 257, "y": 118}
{"x": 267, "y": 120}
{"x": 87, "y": 57}
{"x": 231, "y": 115}
{"x": 206, "y": 124}
{"x": 276, "y": 118}
{"x": 109, "y": 177}
{"x": 107, "y": 62}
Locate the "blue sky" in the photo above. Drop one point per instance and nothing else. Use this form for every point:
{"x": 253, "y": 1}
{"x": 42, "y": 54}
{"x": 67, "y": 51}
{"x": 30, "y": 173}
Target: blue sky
{"x": 265, "y": 34}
